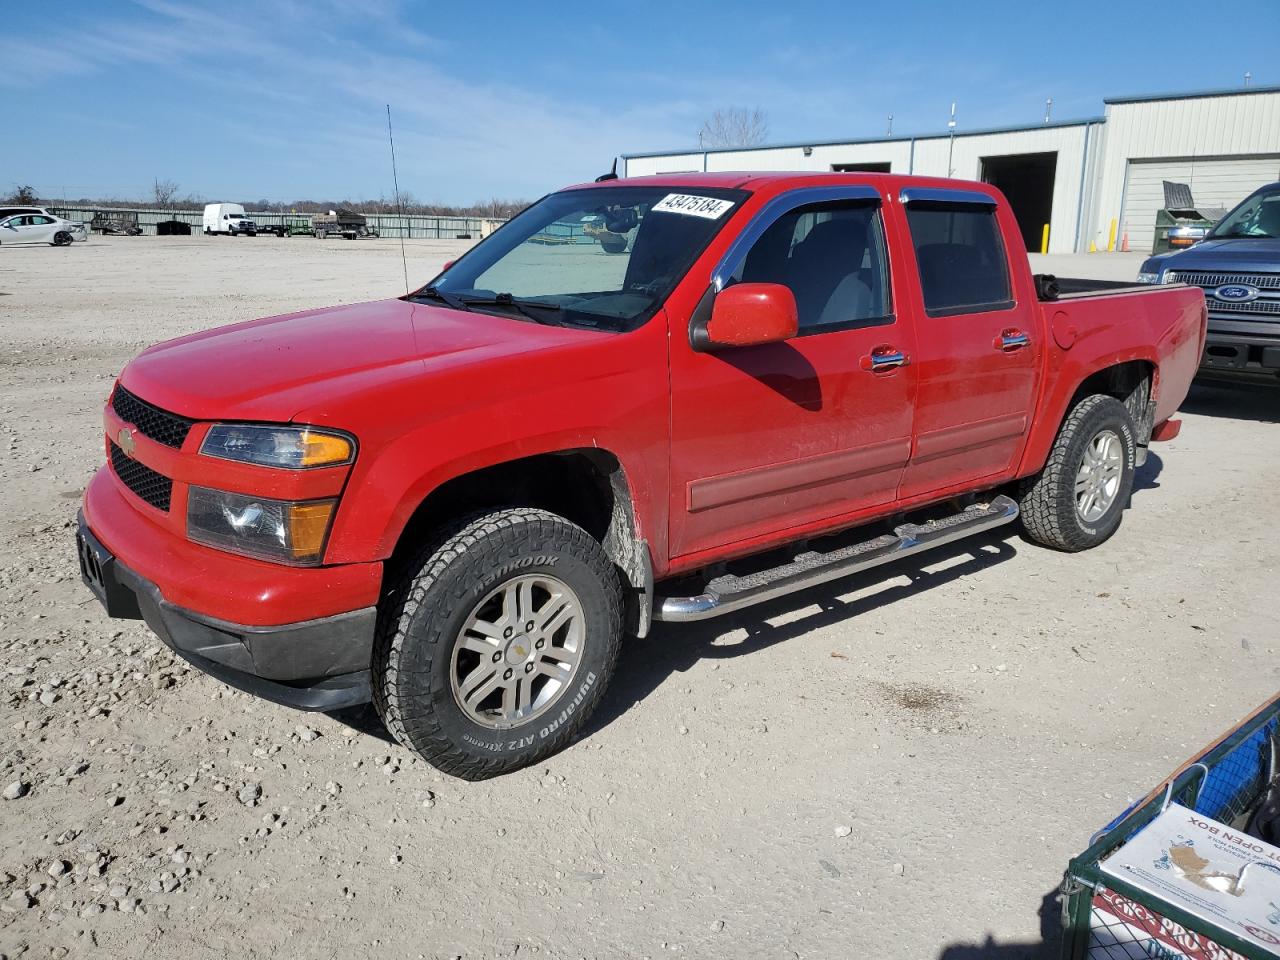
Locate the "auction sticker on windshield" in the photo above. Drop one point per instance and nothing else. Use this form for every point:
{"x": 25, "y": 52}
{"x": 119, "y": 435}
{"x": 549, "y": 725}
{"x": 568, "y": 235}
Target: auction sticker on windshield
{"x": 710, "y": 208}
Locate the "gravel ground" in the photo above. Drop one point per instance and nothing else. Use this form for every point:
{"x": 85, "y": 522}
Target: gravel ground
{"x": 894, "y": 766}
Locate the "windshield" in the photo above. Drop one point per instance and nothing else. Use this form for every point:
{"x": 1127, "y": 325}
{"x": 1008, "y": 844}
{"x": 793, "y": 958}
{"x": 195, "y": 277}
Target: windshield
{"x": 601, "y": 257}
{"x": 1258, "y": 216}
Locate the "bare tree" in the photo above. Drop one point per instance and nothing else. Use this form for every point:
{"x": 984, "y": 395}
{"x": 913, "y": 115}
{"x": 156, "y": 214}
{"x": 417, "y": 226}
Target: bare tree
{"x": 25, "y": 194}
{"x": 735, "y": 127}
{"x": 166, "y": 192}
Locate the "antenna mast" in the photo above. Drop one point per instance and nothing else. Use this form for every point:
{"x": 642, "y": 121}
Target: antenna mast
{"x": 395, "y": 179}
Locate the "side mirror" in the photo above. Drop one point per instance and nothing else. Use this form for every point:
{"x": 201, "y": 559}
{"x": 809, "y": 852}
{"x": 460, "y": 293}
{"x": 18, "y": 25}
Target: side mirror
{"x": 747, "y": 315}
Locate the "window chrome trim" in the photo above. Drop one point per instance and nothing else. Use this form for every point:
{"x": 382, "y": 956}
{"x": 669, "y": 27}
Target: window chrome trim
{"x": 938, "y": 195}
{"x": 773, "y": 211}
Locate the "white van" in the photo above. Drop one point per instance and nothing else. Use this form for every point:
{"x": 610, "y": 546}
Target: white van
{"x": 228, "y": 218}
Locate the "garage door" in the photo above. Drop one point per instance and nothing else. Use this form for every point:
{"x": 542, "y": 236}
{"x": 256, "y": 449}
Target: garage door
{"x": 1214, "y": 183}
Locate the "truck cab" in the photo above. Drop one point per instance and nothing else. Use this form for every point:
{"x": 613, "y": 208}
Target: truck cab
{"x": 228, "y": 219}
{"x": 1238, "y": 267}
{"x": 460, "y": 502}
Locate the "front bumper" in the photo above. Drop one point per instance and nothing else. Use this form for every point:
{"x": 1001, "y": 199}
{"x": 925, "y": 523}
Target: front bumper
{"x": 320, "y": 664}
{"x": 1241, "y": 349}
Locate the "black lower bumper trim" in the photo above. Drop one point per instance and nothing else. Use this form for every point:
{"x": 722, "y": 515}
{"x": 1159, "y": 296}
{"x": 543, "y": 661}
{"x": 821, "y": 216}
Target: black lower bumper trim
{"x": 331, "y": 693}
{"x": 1228, "y": 354}
{"x": 312, "y": 665}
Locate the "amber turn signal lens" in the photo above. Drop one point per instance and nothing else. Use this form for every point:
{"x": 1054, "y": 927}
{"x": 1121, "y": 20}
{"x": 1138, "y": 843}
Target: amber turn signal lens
{"x": 319, "y": 449}
{"x": 308, "y": 527}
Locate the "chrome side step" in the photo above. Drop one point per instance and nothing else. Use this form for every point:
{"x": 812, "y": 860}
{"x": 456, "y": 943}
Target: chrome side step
{"x": 728, "y": 593}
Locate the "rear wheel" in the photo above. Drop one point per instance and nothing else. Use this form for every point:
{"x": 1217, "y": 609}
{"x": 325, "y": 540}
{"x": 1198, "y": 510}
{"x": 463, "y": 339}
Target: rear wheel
{"x": 1078, "y": 499}
{"x": 498, "y": 643}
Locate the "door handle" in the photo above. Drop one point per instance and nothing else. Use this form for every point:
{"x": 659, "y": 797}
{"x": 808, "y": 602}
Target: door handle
{"x": 884, "y": 358}
{"x": 1011, "y": 339}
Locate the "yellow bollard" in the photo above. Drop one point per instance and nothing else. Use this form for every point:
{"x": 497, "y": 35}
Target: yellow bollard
{"x": 1093, "y": 247}
{"x": 1111, "y": 238}
{"x": 1044, "y": 239}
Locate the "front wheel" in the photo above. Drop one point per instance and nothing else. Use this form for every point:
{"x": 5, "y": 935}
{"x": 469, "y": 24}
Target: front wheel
{"x": 1077, "y": 501}
{"x": 62, "y": 239}
{"x": 498, "y": 643}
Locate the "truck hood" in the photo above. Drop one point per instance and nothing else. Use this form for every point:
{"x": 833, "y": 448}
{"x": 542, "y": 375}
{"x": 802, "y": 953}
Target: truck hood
{"x": 273, "y": 368}
{"x": 1227, "y": 254}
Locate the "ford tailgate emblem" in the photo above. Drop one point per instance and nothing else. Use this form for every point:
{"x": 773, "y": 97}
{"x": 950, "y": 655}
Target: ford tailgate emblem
{"x": 1236, "y": 293}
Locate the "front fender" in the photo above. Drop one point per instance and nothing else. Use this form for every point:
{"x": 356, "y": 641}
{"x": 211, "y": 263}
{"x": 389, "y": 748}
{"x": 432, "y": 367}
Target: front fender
{"x": 611, "y": 397}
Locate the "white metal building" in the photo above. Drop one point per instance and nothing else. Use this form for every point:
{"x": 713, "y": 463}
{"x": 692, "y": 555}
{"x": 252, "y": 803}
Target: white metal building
{"x": 1077, "y": 176}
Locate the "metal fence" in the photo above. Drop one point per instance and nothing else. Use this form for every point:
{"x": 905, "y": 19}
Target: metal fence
{"x": 414, "y": 226}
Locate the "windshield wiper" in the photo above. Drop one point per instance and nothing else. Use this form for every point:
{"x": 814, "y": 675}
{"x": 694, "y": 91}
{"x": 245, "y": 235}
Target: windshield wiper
{"x": 448, "y": 299}
{"x": 516, "y": 305}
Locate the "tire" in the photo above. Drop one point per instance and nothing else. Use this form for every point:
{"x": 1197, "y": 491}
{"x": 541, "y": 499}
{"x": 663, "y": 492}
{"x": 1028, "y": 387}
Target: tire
{"x": 1055, "y": 508}
{"x": 442, "y": 627}
{"x": 62, "y": 239}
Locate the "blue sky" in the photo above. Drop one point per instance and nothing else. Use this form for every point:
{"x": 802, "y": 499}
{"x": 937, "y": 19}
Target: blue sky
{"x": 246, "y": 99}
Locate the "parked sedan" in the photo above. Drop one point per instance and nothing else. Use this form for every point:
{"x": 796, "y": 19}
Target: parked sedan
{"x": 40, "y": 228}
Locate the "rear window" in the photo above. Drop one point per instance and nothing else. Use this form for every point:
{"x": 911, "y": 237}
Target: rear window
{"x": 963, "y": 268}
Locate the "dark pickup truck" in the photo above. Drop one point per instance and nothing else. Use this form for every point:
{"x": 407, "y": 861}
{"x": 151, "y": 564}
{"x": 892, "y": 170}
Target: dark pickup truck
{"x": 1238, "y": 267}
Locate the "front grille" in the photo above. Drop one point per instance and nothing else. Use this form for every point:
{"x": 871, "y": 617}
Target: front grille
{"x": 149, "y": 486}
{"x": 1269, "y": 307}
{"x": 1263, "y": 281}
{"x": 160, "y": 425}
{"x": 1267, "y": 303}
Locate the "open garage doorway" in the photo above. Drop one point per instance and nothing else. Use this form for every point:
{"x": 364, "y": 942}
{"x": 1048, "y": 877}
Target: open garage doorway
{"x": 1027, "y": 180}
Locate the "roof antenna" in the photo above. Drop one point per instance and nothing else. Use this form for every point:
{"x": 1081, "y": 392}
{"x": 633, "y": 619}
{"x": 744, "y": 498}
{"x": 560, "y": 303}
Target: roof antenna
{"x": 399, "y": 206}
{"x": 611, "y": 175}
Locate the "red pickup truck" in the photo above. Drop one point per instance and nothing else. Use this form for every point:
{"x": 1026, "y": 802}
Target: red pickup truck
{"x": 664, "y": 398}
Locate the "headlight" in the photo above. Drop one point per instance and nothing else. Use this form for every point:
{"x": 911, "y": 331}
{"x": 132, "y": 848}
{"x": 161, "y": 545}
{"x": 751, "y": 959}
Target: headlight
{"x": 1148, "y": 278}
{"x": 280, "y": 530}
{"x": 292, "y": 448}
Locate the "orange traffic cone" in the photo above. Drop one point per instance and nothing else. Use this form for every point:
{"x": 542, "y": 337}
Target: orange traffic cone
{"x": 1124, "y": 242}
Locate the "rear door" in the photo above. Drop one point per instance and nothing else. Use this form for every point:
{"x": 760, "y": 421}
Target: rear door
{"x": 978, "y": 343}
{"x": 769, "y": 438}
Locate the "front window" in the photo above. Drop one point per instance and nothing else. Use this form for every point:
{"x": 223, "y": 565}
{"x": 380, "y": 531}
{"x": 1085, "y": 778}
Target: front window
{"x": 599, "y": 257}
{"x": 1258, "y": 216}
{"x": 832, "y": 257}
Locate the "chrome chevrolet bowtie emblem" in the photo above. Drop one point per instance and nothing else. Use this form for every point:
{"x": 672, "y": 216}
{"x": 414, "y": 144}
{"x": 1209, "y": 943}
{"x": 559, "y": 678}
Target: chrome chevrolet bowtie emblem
{"x": 124, "y": 440}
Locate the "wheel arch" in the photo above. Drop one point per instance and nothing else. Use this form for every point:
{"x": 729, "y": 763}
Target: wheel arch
{"x": 1134, "y": 381}
{"x": 587, "y": 486}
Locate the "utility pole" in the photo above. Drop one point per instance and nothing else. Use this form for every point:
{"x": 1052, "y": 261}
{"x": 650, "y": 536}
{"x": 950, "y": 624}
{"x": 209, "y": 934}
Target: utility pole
{"x": 1248, "y": 77}
{"x": 889, "y": 132}
{"x": 1048, "y": 109}
{"x": 951, "y": 148}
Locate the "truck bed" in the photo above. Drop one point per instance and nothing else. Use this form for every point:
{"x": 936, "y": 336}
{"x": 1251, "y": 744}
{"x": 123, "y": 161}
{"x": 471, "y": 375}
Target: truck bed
{"x": 1050, "y": 287}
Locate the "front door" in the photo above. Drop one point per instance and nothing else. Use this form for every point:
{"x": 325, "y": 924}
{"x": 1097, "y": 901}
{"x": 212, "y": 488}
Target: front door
{"x": 979, "y": 348}
{"x": 769, "y": 438}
